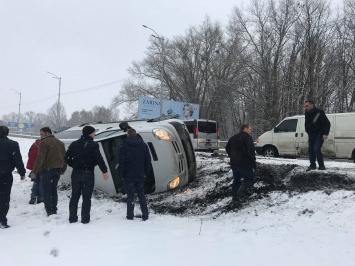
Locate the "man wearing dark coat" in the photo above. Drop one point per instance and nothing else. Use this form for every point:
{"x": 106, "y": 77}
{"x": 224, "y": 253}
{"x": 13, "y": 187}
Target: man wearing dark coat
{"x": 83, "y": 155}
{"x": 241, "y": 151}
{"x": 134, "y": 165}
{"x": 317, "y": 126}
{"x": 10, "y": 157}
{"x": 50, "y": 163}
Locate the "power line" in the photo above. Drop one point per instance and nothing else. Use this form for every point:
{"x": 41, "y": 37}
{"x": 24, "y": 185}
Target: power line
{"x": 73, "y": 92}
{"x": 96, "y": 87}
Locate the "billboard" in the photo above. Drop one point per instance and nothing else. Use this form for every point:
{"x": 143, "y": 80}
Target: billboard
{"x": 21, "y": 125}
{"x": 149, "y": 108}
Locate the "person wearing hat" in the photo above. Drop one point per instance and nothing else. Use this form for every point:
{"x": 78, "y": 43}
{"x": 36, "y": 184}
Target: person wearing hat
{"x": 134, "y": 165}
{"x": 83, "y": 155}
{"x": 50, "y": 163}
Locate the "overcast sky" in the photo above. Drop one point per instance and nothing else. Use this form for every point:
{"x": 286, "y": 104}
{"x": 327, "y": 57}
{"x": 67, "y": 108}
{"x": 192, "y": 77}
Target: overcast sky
{"x": 86, "y": 43}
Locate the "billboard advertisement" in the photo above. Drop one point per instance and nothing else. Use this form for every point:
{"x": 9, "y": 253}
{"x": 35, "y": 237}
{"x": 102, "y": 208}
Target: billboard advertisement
{"x": 21, "y": 125}
{"x": 149, "y": 108}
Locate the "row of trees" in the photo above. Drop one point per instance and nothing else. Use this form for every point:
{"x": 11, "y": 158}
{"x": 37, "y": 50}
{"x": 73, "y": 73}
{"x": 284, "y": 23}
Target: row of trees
{"x": 52, "y": 119}
{"x": 261, "y": 68}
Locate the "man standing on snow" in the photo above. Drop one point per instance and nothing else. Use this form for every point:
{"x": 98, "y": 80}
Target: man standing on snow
{"x": 317, "y": 126}
{"x": 37, "y": 193}
{"x": 241, "y": 151}
{"x": 50, "y": 162}
{"x": 134, "y": 165}
{"x": 83, "y": 155}
{"x": 10, "y": 157}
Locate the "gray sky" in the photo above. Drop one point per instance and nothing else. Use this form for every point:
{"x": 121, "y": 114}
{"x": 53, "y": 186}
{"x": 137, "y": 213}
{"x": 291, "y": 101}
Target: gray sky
{"x": 86, "y": 43}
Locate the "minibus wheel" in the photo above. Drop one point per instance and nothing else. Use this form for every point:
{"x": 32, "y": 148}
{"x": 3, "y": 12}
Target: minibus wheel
{"x": 270, "y": 151}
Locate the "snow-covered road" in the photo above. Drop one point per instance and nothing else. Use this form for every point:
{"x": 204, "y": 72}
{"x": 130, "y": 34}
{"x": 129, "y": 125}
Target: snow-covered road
{"x": 313, "y": 228}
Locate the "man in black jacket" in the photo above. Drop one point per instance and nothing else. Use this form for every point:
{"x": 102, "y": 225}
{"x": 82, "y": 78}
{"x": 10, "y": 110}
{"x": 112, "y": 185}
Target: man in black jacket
{"x": 83, "y": 155}
{"x": 241, "y": 151}
{"x": 10, "y": 157}
{"x": 317, "y": 126}
{"x": 134, "y": 165}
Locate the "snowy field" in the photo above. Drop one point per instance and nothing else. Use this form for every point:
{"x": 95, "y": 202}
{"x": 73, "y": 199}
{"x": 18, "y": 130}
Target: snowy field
{"x": 305, "y": 228}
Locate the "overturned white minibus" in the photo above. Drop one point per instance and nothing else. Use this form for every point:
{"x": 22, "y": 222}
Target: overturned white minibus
{"x": 173, "y": 157}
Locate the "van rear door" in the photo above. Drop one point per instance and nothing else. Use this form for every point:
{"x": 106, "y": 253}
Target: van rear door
{"x": 207, "y": 137}
{"x": 328, "y": 148}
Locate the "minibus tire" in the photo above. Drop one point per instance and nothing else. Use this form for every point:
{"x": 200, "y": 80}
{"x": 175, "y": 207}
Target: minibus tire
{"x": 270, "y": 151}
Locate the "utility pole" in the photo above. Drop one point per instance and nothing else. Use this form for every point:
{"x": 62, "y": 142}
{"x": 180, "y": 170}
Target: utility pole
{"x": 19, "y": 109}
{"x": 58, "y": 105}
{"x": 161, "y": 40}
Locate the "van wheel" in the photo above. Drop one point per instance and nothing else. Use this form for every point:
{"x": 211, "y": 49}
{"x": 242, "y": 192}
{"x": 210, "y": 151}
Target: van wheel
{"x": 270, "y": 152}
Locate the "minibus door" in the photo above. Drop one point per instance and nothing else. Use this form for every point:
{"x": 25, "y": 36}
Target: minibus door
{"x": 285, "y": 137}
{"x": 302, "y": 139}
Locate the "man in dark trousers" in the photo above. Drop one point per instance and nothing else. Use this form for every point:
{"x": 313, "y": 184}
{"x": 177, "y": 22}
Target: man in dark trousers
{"x": 50, "y": 163}
{"x": 317, "y": 126}
{"x": 134, "y": 165}
{"x": 241, "y": 151}
{"x": 10, "y": 157}
{"x": 37, "y": 193}
{"x": 83, "y": 155}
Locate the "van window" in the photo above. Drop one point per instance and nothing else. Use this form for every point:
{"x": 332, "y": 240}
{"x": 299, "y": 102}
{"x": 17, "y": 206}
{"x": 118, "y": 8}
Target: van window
{"x": 107, "y": 133}
{"x": 289, "y": 125}
{"x": 73, "y": 134}
{"x": 207, "y": 127}
{"x": 110, "y": 147}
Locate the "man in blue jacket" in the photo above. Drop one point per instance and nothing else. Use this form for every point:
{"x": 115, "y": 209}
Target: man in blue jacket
{"x": 317, "y": 126}
{"x": 10, "y": 157}
{"x": 241, "y": 151}
{"x": 134, "y": 165}
{"x": 83, "y": 155}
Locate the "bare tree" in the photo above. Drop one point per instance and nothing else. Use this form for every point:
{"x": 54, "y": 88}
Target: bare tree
{"x": 53, "y": 120}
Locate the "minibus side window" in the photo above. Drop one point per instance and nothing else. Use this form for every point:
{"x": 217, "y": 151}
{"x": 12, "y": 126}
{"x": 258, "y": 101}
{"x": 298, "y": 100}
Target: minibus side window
{"x": 189, "y": 126}
{"x": 110, "y": 147}
{"x": 73, "y": 134}
{"x": 289, "y": 125}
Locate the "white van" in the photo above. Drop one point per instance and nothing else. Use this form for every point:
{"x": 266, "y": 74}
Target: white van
{"x": 173, "y": 158}
{"x": 289, "y": 138}
{"x": 204, "y": 134}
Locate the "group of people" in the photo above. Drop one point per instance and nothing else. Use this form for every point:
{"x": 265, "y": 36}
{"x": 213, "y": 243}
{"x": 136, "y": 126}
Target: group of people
{"x": 48, "y": 159}
{"x": 241, "y": 151}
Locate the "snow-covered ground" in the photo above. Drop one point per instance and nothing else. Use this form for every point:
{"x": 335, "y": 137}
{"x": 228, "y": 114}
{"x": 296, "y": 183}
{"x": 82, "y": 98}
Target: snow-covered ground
{"x": 311, "y": 228}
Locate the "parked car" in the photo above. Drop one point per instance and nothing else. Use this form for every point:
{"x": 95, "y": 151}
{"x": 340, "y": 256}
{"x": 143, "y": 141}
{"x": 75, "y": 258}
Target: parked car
{"x": 289, "y": 138}
{"x": 204, "y": 134}
{"x": 173, "y": 157}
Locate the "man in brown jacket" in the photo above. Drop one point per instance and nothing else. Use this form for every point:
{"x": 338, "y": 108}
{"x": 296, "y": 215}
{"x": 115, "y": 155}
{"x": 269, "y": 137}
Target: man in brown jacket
{"x": 50, "y": 162}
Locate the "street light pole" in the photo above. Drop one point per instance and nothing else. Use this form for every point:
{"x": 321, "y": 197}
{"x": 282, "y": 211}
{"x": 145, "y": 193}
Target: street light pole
{"x": 58, "y": 105}
{"x": 19, "y": 109}
{"x": 161, "y": 40}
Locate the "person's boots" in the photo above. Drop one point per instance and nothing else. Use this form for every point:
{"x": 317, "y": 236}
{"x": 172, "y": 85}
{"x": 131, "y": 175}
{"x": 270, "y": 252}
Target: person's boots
{"x": 242, "y": 191}
{"x": 309, "y": 168}
{"x": 234, "y": 197}
{"x": 32, "y": 201}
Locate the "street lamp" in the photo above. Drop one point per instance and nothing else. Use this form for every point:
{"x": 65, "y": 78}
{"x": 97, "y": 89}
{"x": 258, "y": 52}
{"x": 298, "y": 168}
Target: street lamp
{"x": 161, "y": 40}
{"x": 19, "y": 108}
{"x": 58, "y": 105}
